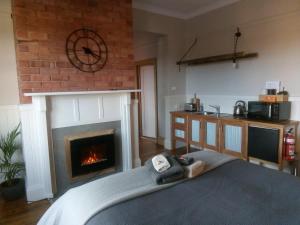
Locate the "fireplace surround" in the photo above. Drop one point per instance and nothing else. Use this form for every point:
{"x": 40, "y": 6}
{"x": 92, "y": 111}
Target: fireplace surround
{"x": 54, "y": 110}
{"x": 63, "y": 177}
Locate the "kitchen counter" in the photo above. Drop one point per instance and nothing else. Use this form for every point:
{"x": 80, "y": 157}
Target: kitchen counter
{"x": 227, "y": 134}
{"x": 227, "y": 116}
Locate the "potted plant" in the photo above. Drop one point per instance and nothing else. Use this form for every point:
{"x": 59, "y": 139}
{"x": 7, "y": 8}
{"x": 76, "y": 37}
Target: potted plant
{"x": 12, "y": 187}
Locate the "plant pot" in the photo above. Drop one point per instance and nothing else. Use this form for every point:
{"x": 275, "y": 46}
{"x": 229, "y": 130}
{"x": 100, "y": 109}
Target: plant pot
{"x": 14, "y": 191}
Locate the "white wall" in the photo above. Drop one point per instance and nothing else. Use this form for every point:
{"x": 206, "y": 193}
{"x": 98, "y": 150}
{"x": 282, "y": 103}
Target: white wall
{"x": 145, "y": 45}
{"x": 147, "y": 51}
{"x": 269, "y": 27}
{"x": 9, "y": 94}
{"x": 170, "y": 48}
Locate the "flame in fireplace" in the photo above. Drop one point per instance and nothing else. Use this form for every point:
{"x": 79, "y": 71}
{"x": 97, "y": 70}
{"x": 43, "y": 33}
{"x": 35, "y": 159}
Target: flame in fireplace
{"x": 92, "y": 158}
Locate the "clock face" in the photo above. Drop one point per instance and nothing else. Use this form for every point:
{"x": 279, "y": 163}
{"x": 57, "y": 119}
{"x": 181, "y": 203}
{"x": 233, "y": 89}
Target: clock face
{"x": 86, "y": 50}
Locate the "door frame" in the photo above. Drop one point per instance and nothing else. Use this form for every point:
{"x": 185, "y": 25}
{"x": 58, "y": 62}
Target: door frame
{"x": 138, "y": 65}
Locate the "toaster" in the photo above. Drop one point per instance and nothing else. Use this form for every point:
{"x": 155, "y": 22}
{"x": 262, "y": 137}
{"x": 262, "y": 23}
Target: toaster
{"x": 190, "y": 107}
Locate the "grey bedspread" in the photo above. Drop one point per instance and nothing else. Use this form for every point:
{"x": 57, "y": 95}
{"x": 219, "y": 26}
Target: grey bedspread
{"x": 79, "y": 204}
{"x": 236, "y": 193}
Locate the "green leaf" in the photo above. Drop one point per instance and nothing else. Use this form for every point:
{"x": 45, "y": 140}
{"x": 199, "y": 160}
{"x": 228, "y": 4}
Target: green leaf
{"x": 9, "y": 146}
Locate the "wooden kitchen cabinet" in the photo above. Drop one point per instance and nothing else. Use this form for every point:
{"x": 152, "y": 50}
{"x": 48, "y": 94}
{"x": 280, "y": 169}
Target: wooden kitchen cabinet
{"x": 179, "y": 130}
{"x": 233, "y": 138}
{"x": 211, "y": 133}
{"x": 196, "y": 130}
{"x": 227, "y": 134}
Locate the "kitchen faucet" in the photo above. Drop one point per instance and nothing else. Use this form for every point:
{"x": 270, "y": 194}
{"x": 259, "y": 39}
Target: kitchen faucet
{"x": 217, "y": 108}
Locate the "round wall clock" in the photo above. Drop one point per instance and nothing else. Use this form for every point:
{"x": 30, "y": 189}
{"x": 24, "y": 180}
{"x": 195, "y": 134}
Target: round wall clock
{"x": 86, "y": 50}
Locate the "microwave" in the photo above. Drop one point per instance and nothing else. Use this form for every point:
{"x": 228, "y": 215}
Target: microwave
{"x": 276, "y": 111}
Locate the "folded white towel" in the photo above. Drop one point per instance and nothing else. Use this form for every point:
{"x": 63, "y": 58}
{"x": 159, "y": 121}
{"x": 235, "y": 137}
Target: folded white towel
{"x": 160, "y": 163}
{"x": 195, "y": 169}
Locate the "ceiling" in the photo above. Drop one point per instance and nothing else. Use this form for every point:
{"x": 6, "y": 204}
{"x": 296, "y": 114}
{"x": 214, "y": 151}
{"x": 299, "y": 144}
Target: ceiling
{"x": 182, "y": 9}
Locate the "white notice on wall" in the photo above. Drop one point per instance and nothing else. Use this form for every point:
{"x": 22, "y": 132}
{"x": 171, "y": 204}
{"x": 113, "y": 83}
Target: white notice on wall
{"x": 275, "y": 84}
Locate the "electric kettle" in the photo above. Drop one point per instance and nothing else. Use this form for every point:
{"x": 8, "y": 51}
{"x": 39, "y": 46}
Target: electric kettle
{"x": 239, "y": 108}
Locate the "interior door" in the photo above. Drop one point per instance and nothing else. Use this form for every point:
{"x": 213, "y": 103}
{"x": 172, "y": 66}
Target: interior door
{"x": 148, "y": 101}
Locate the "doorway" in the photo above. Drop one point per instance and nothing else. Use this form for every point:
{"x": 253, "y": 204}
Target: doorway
{"x": 147, "y": 82}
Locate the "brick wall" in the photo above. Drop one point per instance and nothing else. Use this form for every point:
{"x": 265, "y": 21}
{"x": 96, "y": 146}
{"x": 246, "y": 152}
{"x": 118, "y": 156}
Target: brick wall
{"x": 41, "y": 29}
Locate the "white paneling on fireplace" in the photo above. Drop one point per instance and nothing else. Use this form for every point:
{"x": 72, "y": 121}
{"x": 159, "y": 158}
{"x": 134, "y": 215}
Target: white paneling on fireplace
{"x": 35, "y": 141}
{"x": 65, "y": 109}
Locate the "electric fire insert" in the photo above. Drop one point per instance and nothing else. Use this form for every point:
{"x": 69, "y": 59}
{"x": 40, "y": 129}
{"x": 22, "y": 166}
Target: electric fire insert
{"x": 90, "y": 152}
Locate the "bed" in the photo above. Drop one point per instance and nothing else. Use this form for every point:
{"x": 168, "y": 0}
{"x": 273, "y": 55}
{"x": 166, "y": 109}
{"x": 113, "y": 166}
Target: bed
{"x": 231, "y": 191}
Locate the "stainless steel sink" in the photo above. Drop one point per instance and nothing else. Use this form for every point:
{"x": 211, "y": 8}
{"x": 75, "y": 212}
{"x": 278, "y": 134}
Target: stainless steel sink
{"x": 224, "y": 115}
{"x": 207, "y": 113}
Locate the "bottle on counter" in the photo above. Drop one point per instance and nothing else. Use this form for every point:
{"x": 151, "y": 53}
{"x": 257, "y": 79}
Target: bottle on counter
{"x": 196, "y": 101}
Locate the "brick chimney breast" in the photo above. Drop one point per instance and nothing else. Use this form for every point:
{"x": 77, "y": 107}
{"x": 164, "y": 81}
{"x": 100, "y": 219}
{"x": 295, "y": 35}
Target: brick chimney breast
{"x": 41, "y": 29}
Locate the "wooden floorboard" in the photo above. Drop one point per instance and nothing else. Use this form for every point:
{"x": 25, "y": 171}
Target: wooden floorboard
{"x": 149, "y": 148}
{"x": 19, "y": 212}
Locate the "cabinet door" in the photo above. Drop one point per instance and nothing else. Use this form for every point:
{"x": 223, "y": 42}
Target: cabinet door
{"x": 195, "y": 131}
{"x": 211, "y": 134}
{"x": 180, "y": 134}
{"x": 179, "y": 128}
{"x": 233, "y": 139}
{"x": 180, "y": 120}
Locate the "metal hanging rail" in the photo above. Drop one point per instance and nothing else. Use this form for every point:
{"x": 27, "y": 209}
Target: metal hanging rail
{"x": 218, "y": 58}
{"x": 234, "y": 57}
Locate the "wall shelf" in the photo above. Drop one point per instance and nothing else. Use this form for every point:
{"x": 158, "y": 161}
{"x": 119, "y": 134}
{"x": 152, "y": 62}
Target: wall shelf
{"x": 218, "y": 58}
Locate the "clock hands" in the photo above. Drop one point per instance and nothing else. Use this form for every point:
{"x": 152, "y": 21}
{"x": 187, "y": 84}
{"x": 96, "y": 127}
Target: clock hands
{"x": 95, "y": 55}
{"x": 88, "y": 51}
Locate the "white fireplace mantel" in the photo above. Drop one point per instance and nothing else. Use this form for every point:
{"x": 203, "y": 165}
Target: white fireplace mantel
{"x": 82, "y": 92}
{"x": 62, "y": 109}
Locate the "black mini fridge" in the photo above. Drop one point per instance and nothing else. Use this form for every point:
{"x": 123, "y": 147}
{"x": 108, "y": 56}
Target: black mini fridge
{"x": 263, "y": 143}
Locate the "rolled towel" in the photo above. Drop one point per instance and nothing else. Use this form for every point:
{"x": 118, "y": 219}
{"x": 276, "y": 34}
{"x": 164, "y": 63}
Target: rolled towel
{"x": 174, "y": 173}
{"x": 194, "y": 169}
{"x": 160, "y": 163}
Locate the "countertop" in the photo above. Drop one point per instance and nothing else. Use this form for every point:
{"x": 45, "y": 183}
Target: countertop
{"x": 227, "y": 116}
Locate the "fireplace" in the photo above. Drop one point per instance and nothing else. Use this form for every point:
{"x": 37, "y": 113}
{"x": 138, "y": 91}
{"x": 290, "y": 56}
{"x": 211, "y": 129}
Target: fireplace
{"x": 55, "y": 115}
{"x": 90, "y": 153}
